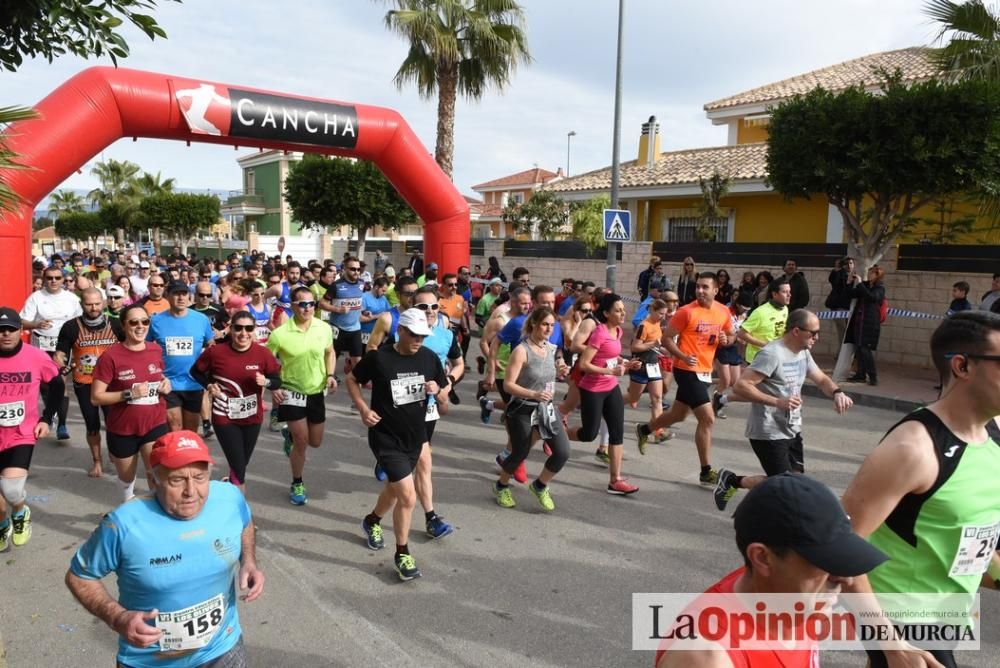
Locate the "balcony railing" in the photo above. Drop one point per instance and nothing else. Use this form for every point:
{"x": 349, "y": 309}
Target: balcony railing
{"x": 248, "y": 197}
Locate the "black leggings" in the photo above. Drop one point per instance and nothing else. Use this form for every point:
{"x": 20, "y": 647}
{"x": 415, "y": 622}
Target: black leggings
{"x": 237, "y": 441}
{"x": 611, "y": 406}
{"x": 519, "y": 428}
{"x": 866, "y": 363}
{"x": 91, "y": 414}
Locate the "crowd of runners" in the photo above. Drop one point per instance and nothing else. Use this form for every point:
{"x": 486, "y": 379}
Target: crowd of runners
{"x": 170, "y": 353}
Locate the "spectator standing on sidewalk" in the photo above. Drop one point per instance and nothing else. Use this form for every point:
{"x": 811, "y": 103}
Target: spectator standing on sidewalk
{"x": 839, "y": 298}
{"x": 865, "y": 325}
{"x": 959, "y": 298}
{"x": 992, "y": 297}
{"x": 800, "y": 287}
{"x": 687, "y": 281}
{"x": 644, "y": 276}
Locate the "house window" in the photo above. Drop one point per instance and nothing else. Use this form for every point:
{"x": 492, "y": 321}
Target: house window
{"x": 251, "y": 182}
{"x": 517, "y": 197}
{"x": 684, "y": 228}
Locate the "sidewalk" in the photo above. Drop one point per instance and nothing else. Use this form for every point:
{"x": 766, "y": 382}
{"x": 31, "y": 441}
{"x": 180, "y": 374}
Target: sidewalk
{"x": 900, "y": 388}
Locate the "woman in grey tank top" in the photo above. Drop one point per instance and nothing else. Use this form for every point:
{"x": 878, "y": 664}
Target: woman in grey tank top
{"x": 531, "y": 415}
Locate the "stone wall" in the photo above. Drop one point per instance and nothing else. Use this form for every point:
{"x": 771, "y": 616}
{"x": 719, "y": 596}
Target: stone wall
{"x": 904, "y": 340}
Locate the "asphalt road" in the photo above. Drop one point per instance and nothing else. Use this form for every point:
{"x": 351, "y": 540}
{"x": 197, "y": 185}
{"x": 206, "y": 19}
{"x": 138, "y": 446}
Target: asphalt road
{"x": 509, "y": 587}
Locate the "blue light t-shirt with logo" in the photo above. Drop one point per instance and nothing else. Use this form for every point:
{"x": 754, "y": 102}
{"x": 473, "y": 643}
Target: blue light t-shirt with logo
{"x": 345, "y": 293}
{"x": 173, "y": 566}
{"x": 376, "y": 305}
{"x": 182, "y": 340}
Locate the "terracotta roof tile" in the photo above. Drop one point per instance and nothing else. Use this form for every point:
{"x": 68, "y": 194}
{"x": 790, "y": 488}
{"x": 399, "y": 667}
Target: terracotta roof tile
{"x": 741, "y": 162}
{"x": 913, "y": 63}
{"x": 527, "y": 177}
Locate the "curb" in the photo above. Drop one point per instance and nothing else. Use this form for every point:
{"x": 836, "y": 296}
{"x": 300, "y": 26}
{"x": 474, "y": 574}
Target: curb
{"x": 871, "y": 400}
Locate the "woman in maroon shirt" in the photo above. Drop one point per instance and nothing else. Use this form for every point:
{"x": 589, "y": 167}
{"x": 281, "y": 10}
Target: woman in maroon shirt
{"x": 235, "y": 374}
{"x": 129, "y": 380}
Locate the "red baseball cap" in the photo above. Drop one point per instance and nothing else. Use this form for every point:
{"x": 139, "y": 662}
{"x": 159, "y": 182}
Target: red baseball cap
{"x": 179, "y": 448}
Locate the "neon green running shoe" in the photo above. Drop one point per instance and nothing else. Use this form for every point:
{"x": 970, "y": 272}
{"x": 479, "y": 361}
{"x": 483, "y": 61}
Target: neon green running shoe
{"x": 22, "y": 527}
{"x": 543, "y": 496}
{"x": 505, "y": 499}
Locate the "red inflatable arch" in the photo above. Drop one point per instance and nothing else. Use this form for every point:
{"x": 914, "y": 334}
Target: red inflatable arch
{"x": 103, "y": 104}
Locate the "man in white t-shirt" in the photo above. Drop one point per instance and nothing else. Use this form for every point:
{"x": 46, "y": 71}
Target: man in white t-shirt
{"x": 44, "y": 313}
{"x": 140, "y": 280}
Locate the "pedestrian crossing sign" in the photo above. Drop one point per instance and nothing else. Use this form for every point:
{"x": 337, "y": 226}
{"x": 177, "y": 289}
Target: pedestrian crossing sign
{"x": 617, "y": 225}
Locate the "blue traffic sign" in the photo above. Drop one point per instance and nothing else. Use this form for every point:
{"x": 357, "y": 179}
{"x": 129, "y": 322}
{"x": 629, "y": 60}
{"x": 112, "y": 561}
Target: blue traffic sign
{"x": 617, "y": 225}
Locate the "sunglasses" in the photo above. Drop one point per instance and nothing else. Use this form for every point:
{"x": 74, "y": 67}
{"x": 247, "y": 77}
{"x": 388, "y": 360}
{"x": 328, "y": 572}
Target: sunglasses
{"x": 416, "y": 336}
{"x": 156, "y": 285}
{"x": 451, "y": 285}
{"x": 243, "y": 328}
{"x": 136, "y": 321}
{"x": 306, "y": 304}
{"x": 813, "y": 333}
{"x": 352, "y": 268}
{"x": 586, "y": 310}
{"x": 115, "y": 297}
{"x": 427, "y": 307}
{"x": 53, "y": 278}
{"x": 688, "y": 264}
{"x": 204, "y": 294}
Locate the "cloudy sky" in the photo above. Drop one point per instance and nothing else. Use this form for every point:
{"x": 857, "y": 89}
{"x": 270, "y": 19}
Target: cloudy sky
{"x": 678, "y": 56}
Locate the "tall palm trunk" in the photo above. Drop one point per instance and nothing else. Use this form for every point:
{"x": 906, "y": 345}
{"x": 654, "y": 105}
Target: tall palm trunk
{"x": 444, "y": 148}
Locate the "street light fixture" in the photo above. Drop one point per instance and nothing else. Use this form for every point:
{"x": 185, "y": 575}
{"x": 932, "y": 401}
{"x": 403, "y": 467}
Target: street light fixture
{"x": 569, "y": 135}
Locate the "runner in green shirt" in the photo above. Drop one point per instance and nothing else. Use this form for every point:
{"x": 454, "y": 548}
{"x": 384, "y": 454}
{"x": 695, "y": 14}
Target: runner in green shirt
{"x": 927, "y": 495}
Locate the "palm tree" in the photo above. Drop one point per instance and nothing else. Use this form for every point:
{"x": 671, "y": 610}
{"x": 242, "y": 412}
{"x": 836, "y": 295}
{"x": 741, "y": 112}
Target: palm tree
{"x": 457, "y": 46}
{"x": 152, "y": 184}
{"x": 974, "y": 48}
{"x": 117, "y": 192}
{"x": 65, "y": 201}
{"x": 8, "y": 159}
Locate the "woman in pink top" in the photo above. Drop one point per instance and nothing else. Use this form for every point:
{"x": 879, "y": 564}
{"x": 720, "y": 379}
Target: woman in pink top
{"x": 600, "y": 396}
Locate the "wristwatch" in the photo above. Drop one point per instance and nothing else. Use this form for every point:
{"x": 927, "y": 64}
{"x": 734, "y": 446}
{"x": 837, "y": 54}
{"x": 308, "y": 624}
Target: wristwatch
{"x": 127, "y": 395}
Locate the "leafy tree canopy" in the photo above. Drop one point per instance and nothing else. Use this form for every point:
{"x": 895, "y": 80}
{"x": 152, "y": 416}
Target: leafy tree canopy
{"x": 79, "y": 225}
{"x": 879, "y": 158}
{"x": 51, "y": 28}
{"x": 587, "y": 219}
{"x": 543, "y": 215}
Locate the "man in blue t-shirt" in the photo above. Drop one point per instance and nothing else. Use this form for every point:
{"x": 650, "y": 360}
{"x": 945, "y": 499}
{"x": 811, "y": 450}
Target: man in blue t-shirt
{"x": 373, "y": 304}
{"x": 344, "y": 302}
{"x": 182, "y": 334}
{"x": 176, "y": 556}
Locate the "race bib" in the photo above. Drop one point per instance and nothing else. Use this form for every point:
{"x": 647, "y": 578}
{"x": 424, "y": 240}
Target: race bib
{"x": 262, "y": 334}
{"x": 795, "y": 417}
{"x": 407, "y": 390}
{"x": 336, "y": 331}
{"x": 351, "y": 304}
{"x": 191, "y": 628}
{"x": 152, "y": 397}
{"x": 240, "y": 408}
{"x": 611, "y": 363}
{"x": 365, "y": 338}
{"x": 653, "y": 371}
{"x": 705, "y": 377}
{"x": 46, "y": 343}
{"x": 180, "y": 345}
{"x": 11, "y": 414}
{"x": 432, "y": 410}
{"x": 975, "y": 549}
{"x": 293, "y": 398}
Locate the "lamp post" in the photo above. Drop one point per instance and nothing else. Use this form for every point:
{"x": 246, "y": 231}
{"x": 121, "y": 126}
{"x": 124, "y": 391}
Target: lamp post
{"x": 615, "y": 167}
{"x": 569, "y": 135}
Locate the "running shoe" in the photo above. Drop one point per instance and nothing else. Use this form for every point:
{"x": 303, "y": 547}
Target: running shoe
{"x": 206, "y": 429}
{"x": 373, "y": 533}
{"x": 275, "y": 424}
{"x": 664, "y": 404}
{"x": 716, "y": 402}
{"x": 662, "y": 435}
{"x": 287, "y": 446}
{"x": 380, "y": 473}
{"x": 709, "y": 479}
{"x": 438, "y": 528}
{"x": 543, "y": 496}
{"x": 602, "y": 457}
{"x": 454, "y": 398}
{"x": 641, "y": 437}
{"x": 297, "y": 494}
{"x": 5, "y": 538}
{"x": 484, "y": 410}
{"x": 22, "y": 527}
{"x": 406, "y": 567}
{"x": 622, "y": 487}
{"x": 722, "y": 415}
{"x": 505, "y": 498}
{"x": 725, "y": 488}
{"x": 62, "y": 432}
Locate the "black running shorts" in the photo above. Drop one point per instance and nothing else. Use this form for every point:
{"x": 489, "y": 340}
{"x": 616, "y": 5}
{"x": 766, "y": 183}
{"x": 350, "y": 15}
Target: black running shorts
{"x": 691, "y": 391}
{"x": 397, "y": 459}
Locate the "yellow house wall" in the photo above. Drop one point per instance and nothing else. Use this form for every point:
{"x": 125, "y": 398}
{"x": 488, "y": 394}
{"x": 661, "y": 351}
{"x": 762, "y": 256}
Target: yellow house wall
{"x": 750, "y": 134}
{"x": 759, "y": 218}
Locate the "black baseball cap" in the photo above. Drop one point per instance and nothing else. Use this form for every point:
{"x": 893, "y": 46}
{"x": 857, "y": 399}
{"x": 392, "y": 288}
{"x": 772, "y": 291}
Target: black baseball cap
{"x": 9, "y": 318}
{"x": 801, "y": 513}
{"x": 177, "y": 286}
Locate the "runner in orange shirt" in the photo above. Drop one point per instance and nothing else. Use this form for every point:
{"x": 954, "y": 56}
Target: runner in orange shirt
{"x": 700, "y": 328}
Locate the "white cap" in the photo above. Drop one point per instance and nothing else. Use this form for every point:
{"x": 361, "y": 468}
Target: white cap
{"x": 116, "y": 291}
{"x": 134, "y": 258}
{"x": 414, "y": 320}
{"x": 143, "y": 264}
